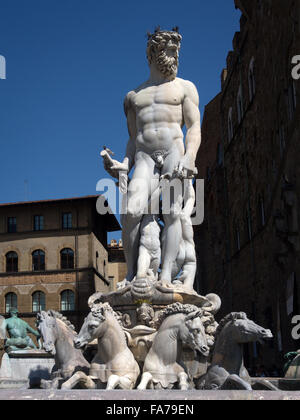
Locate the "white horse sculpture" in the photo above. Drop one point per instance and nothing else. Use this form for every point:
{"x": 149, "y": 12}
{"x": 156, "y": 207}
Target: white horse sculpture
{"x": 114, "y": 364}
{"x": 164, "y": 368}
{"x": 58, "y": 339}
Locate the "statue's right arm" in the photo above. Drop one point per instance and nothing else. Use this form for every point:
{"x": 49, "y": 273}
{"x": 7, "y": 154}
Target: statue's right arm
{"x": 132, "y": 130}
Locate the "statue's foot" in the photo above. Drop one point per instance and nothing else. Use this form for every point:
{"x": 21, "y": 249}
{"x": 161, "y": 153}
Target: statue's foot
{"x": 165, "y": 283}
{"x": 177, "y": 282}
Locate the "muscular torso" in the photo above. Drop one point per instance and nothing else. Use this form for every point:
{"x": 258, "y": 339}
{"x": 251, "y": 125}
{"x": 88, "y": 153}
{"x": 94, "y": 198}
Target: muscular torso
{"x": 16, "y": 329}
{"x": 159, "y": 116}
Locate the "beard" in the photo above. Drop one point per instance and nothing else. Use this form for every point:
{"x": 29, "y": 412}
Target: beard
{"x": 168, "y": 66}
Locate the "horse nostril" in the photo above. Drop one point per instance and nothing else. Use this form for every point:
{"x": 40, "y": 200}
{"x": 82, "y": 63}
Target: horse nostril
{"x": 204, "y": 349}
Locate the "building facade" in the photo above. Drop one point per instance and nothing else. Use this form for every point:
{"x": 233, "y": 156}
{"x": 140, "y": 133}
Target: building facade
{"x": 53, "y": 255}
{"x": 117, "y": 267}
{"x": 248, "y": 247}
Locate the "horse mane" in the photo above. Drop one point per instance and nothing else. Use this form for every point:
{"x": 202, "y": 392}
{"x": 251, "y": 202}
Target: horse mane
{"x": 178, "y": 308}
{"x": 62, "y": 318}
{"x": 233, "y": 316}
{"x": 207, "y": 318}
{"x": 100, "y": 309}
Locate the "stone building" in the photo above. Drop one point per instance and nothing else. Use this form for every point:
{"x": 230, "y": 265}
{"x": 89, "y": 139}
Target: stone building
{"x": 248, "y": 247}
{"x": 53, "y": 255}
{"x": 117, "y": 267}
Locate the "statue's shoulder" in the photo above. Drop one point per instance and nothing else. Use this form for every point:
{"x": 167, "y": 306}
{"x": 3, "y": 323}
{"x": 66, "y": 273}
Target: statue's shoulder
{"x": 190, "y": 90}
{"x": 128, "y": 100}
{"x": 187, "y": 85}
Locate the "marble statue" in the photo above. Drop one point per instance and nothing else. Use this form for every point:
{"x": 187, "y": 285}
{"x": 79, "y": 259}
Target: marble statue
{"x": 180, "y": 325}
{"x": 156, "y": 323}
{"x": 114, "y": 365}
{"x": 227, "y": 370}
{"x": 58, "y": 336}
{"x": 156, "y": 112}
{"x": 17, "y": 331}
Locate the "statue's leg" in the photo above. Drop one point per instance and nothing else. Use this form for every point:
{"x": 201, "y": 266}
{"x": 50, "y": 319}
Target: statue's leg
{"x": 126, "y": 382}
{"x": 172, "y": 234}
{"x": 183, "y": 381}
{"x": 113, "y": 382}
{"x": 190, "y": 262}
{"x": 146, "y": 378}
{"x": 79, "y": 378}
{"x": 172, "y": 238}
{"x": 234, "y": 382}
{"x": 30, "y": 343}
{"x": 52, "y": 384}
{"x": 144, "y": 262}
{"x": 139, "y": 192}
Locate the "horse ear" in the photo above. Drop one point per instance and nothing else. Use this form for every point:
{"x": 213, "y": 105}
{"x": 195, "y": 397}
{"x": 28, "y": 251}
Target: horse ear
{"x": 94, "y": 299}
{"x": 193, "y": 315}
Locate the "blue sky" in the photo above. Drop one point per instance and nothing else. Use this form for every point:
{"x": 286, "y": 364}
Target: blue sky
{"x": 70, "y": 64}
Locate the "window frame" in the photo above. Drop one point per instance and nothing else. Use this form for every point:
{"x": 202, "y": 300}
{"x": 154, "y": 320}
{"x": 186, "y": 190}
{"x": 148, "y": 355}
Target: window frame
{"x": 69, "y": 258}
{"x": 41, "y": 302}
{"x": 251, "y": 80}
{"x": 230, "y": 126}
{"x": 240, "y": 105}
{"x": 40, "y": 226}
{"x": 68, "y": 304}
{"x": 10, "y": 225}
{"x": 15, "y": 268}
{"x": 41, "y": 266}
{"x": 67, "y": 220}
{"x": 12, "y": 305}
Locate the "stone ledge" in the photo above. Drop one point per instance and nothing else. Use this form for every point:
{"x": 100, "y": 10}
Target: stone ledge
{"x": 153, "y": 396}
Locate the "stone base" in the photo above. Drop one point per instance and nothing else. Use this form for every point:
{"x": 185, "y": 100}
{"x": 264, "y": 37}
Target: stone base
{"x": 13, "y": 384}
{"x": 111, "y": 398}
{"x": 289, "y": 384}
{"x": 25, "y": 367}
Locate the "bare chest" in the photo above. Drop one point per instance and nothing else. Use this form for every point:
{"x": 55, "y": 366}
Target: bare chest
{"x": 169, "y": 94}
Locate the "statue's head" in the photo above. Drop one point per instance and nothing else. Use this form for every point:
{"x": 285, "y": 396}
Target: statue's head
{"x": 163, "y": 51}
{"x": 145, "y": 314}
{"x": 13, "y": 312}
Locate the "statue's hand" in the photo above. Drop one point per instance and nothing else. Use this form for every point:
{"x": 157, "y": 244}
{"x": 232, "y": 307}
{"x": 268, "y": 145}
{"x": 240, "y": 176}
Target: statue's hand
{"x": 185, "y": 168}
{"x": 114, "y": 167}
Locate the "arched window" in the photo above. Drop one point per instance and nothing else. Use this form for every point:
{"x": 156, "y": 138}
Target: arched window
{"x": 248, "y": 226}
{"x": 240, "y": 106}
{"x": 237, "y": 238}
{"x": 11, "y": 302}
{"x": 11, "y": 262}
{"x": 67, "y": 300}
{"x": 38, "y": 260}
{"x": 67, "y": 258}
{"x": 251, "y": 80}
{"x": 38, "y": 301}
{"x": 261, "y": 213}
{"x": 230, "y": 126}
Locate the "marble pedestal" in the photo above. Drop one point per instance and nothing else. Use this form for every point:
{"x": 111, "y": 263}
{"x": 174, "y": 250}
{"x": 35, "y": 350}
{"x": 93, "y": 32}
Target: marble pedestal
{"x": 26, "y": 368}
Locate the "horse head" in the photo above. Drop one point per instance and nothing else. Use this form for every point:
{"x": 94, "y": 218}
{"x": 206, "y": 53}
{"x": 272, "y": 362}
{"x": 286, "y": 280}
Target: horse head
{"x": 243, "y": 330}
{"x": 193, "y": 334}
{"x": 94, "y": 324}
{"x": 47, "y": 327}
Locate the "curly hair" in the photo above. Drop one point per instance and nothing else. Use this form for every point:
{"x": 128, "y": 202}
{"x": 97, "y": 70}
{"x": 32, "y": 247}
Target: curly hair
{"x": 178, "y": 308}
{"x": 99, "y": 309}
{"x": 158, "y": 41}
{"x": 57, "y": 315}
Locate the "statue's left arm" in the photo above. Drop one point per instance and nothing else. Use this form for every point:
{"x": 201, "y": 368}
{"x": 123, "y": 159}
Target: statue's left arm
{"x": 191, "y": 116}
